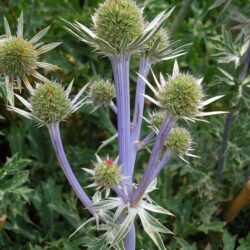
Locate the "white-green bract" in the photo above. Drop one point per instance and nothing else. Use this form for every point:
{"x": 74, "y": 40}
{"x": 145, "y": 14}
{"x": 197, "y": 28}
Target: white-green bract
{"x": 160, "y": 84}
{"x": 116, "y": 231}
{"x": 37, "y": 48}
{"x": 75, "y": 104}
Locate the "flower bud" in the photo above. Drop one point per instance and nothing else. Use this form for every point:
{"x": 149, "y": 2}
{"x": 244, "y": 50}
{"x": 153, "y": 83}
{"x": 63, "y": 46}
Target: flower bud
{"x": 157, "y": 118}
{"x": 107, "y": 174}
{"x": 50, "y": 103}
{"x": 17, "y": 57}
{"x": 101, "y": 92}
{"x": 116, "y": 20}
{"x": 163, "y": 38}
{"x": 179, "y": 141}
{"x": 181, "y": 96}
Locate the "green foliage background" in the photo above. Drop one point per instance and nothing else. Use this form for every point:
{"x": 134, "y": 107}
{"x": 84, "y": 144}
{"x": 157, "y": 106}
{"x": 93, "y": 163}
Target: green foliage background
{"x": 43, "y": 211}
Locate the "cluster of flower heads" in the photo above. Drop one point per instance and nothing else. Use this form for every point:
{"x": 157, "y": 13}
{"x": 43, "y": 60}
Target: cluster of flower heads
{"x": 19, "y": 58}
{"x": 120, "y": 27}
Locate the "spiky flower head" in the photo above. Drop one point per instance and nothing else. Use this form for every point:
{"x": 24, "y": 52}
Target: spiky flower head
{"x": 158, "y": 43}
{"x": 19, "y": 58}
{"x": 118, "y": 28}
{"x": 107, "y": 173}
{"x": 156, "y": 119}
{"x": 179, "y": 141}
{"x": 117, "y": 20}
{"x": 50, "y": 103}
{"x": 181, "y": 95}
{"x": 101, "y": 92}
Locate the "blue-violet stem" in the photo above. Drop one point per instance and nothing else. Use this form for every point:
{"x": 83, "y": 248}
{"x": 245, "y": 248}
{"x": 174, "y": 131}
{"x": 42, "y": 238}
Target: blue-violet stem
{"x": 130, "y": 240}
{"x": 146, "y": 140}
{"x": 161, "y": 165}
{"x": 120, "y": 65}
{"x": 139, "y": 106}
{"x": 55, "y": 137}
{"x": 165, "y": 128}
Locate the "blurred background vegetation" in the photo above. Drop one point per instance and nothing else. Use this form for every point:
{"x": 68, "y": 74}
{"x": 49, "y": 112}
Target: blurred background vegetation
{"x": 41, "y": 208}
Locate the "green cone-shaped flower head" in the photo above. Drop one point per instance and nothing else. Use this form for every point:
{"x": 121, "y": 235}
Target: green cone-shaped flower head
{"x": 107, "y": 174}
{"x": 50, "y": 103}
{"x": 157, "y": 118}
{"x": 116, "y": 20}
{"x": 162, "y": 39}
{"x": 17, "y": 57}
{"x": 181, "y": 96}
{"x": 179, "y": 141}
{"x": 101, "y": 92}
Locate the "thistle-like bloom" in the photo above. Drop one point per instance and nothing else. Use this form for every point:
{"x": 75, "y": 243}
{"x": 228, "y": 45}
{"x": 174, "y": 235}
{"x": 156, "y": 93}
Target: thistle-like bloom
{"x": 101, "y": 92}
{"x": 50, "y": 103}
{"x": 180, "y": 142}
{"x": 181, "y": 95}
{"x": 106, "y": 175}
{"x": 118, "y": 20}
{"x": 118, "y": 27}
{"x": 155, "y": 120}
{"x": 19, "y": 58}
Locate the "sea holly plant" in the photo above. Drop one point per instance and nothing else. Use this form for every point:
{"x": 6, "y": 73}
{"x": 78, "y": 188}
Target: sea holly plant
{"x": 120, "y": 31}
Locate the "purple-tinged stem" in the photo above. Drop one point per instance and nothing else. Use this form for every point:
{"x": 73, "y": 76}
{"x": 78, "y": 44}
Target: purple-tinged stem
{"x": 55, "y": 137}
{"x": 130, "y": 240}
{"x": 161, "y": 165}
{"x": 147, "y": 139}
{"x": 166, "y": 127}
{"x": 139, "y": 106}
{"x": 120, "y": 65}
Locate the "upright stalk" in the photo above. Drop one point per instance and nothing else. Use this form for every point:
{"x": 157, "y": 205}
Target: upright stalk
{"x": 180, "y": 16}
{"x": 161, "y": 165}
{"x": 120, "y": 65}
{"x": 139, "y": 107}
{"x": 226, "y": 136}
{"x": 154, "y": 157}
{"x": 62, "y": 159}
{"x": 130, "y": 239}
